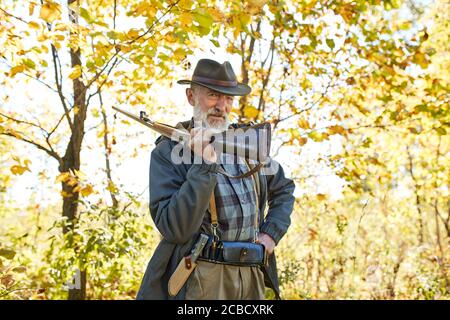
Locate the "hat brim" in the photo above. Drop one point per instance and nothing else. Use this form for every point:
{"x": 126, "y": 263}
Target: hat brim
{"x": 240, "y": 90}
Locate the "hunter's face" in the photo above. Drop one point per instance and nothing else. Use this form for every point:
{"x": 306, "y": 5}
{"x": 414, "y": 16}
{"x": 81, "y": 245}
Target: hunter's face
{"x": 211, "y": 107}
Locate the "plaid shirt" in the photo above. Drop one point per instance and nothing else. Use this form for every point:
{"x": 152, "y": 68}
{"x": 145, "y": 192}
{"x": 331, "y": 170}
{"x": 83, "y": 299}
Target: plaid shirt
{"x": 235, "y": 203}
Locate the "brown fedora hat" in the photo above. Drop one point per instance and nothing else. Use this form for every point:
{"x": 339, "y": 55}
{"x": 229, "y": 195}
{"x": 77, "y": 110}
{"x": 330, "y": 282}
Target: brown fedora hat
{"x": 219, "y": 77}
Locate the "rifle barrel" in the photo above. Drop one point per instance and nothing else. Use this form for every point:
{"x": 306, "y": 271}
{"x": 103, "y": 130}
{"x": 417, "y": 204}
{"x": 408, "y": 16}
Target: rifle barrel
{"x": 170, "y": 132}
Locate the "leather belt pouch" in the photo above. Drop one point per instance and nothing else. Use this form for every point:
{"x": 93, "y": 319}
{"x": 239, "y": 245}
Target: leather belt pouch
{"x": 245, "y": 253}
{"x": 235, "y": 253}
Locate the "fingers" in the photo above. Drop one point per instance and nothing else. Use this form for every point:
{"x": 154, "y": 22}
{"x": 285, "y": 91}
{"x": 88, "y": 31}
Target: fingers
{"x": 200, "y": 143}
{"x": 267, "y": 242}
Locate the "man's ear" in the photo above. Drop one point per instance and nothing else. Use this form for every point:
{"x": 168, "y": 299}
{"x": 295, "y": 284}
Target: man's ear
{"x": 190, "y": 96}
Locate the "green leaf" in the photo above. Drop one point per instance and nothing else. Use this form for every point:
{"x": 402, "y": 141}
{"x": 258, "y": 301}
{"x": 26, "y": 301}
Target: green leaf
{"x": 101, "y": 23}
{"x": 330, "y": 43}
{"x": 316, "y": 136}
{"x": 19, "y": 269}
{"x": 215, "y": 43}
{"x": 112, "y": 35}
{"x": 204, "y": 20}
{"x": 29, "y": 63}
{"x": 8, "y": 254}
{"x": 441, "y": 131}
{"x": 85, "y": 15}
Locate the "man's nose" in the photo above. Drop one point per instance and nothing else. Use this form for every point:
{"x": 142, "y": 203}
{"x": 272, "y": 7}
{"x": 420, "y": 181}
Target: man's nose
{"x": 221, "y": 103}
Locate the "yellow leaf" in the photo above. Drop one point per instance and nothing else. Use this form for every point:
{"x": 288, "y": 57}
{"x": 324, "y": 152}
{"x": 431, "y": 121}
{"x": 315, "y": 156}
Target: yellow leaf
{"x": 125, "y": 48}
{"x": 14, "y": 133}
{"x": 420, "y": 59}
{"x": 101, "y": 133}
{"x": 179, "y": 53}
{"x": 72, "y": 182}
{"x": 111, "y": 187}
{"x": 250, "y": 112}
{"x": 75, "y": 110}
{"x": 185, "y": 19}
{"x": 255, "y": 6}
{"x": 76, "y": 72}
{"x": 17, "y": 69}
{"x": 321, "y": 196}
{"x": 295, "y": 134}
{"x": 245, "y": 19}
{"x": 316, "y": 136}
{"x": 95, "y": 113}
{"x": 216, "y": 14}
{"x": 6, "y": 180}
{"x": 87, "y": 190}
{"x": 62, "y": 177}
{"x": 18, "y": 170}
{"x": 42, "y": 175}
{"x": 133, "y": 33}
{"x": 66, "y": 194}
{"x": 34, "y": 25}
{"x": 50, "y": 12}
{"x": 27, "y": 162}
{"x": 302, "y": 141}
{"x": 302, "y": 123}
{"x": 336, "y": 130}
{"x": 31, "y": 8}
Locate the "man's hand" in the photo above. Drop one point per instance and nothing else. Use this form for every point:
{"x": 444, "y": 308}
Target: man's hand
{"x": 200, "y": 138}
{"x": 267, "y": 241}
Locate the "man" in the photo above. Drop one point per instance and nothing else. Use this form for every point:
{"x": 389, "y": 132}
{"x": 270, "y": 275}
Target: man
{"x": 180, "y": 200}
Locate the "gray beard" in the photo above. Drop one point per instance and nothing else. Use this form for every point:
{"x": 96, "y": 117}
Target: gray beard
{"x": 200, "y": 116}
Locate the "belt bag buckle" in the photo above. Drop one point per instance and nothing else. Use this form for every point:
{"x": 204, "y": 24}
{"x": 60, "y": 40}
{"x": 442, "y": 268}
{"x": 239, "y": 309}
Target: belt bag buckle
{"x": 243, "y": 253}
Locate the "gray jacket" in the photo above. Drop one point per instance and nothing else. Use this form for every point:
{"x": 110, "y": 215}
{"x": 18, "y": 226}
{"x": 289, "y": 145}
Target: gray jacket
{"x": 179, "y": 199}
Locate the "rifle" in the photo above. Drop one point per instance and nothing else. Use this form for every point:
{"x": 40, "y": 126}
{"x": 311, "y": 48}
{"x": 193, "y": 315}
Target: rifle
{"x": 251, "y": 142}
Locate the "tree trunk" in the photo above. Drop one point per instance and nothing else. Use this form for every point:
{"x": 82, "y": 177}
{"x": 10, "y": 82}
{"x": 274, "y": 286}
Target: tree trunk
{"x": 71, "y": 159}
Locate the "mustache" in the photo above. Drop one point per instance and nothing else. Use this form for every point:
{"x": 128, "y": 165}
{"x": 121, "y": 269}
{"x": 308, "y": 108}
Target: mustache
{"x": 216, "y": 114}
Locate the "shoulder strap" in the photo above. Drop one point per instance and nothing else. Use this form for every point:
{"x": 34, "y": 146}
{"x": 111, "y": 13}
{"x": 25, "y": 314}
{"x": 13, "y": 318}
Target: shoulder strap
{"x": 244, "y": 175}
{"x": 213, "y": 209}
{"x": 256, "y": 178}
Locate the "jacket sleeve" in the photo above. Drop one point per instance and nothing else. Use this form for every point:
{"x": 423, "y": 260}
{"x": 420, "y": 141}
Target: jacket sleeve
{"x": 280, "y": 196}
{"x": 178, "y": 202}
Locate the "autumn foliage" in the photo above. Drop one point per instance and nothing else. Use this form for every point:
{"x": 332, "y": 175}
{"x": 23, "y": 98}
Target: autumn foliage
{"x": 357, "y": 93}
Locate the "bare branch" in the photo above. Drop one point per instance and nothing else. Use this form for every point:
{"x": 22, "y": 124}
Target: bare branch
{"x": 115, "y": 14}
{"x": 32, "y": 77}
{"x": 154, "y": 23}
{"x": 266, "y": 79}
{"x": 311, "y": 106}
{"x": 59, "y": 86}
{"x": 131, "y": 202}
{"x": 13, "y": 16}
{"x": 58, "y": 123}
{"x": 116, "y": 61}
{"x": 107, "y": 153}
{"x": 24, "y": 122}
{"x": 50, "y": 152}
